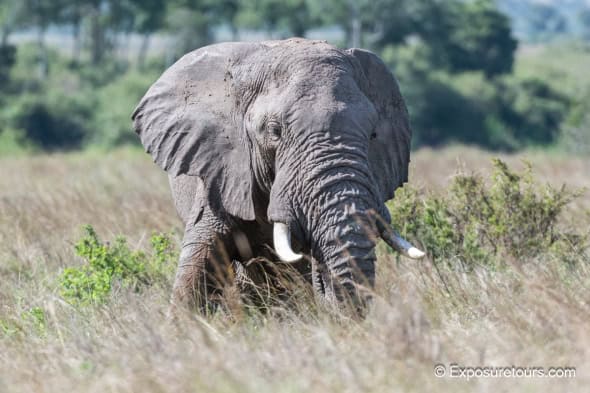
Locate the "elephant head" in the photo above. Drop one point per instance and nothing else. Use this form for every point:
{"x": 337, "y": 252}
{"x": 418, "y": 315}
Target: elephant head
{"x": 298, "y": 134}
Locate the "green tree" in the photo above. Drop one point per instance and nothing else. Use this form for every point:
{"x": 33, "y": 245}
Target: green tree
{"x": 354, "y": 17}
{"x": 226, "y": 11}
{"x": 293, "y": 16}
{"x": 460, "y": 36}
{"x": 108, "y": 21}
{"x": 149, "y": 17}
{"x": 9, "y": 11}
{"x": 7, "y": 60}
{"x": 396, "y": 20}
{"x": 480, "y": 39}
{"x": 40, "y": 14}
{"x": 72, "y": 14}
{"x": 98, "y": 41}
{"x": 190, "y": 22}
{"x": 102, "y": 17}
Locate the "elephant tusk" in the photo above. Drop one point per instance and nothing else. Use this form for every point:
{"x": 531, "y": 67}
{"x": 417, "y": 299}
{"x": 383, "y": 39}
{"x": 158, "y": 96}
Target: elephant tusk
{"x": 282, "y": 243}
{"x": 400, "y": 244}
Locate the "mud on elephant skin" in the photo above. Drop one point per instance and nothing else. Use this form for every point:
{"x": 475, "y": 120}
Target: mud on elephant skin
{"x": 293, "y": 144}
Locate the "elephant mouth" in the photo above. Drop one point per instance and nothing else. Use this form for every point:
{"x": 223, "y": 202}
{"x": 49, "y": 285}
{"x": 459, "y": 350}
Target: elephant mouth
{"x": 282, "y": 242}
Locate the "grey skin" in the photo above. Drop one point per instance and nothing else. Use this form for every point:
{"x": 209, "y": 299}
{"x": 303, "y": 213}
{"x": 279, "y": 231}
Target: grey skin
{"x": 295, "y": 132}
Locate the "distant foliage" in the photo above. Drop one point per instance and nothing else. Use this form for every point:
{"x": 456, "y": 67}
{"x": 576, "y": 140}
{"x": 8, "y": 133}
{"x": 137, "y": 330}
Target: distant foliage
{"x": 7, "y": 60}
{"x": 576, "y": 134}
{"x": 480, "y": 40}
{"x": 474, "y": 223}
{"x": 504, "y": 113}
{"x": 110, "y": 265}
{"x": 459, "y": 35}
{"x": 576, "y": 138}
{"x": 77, "y": 106}
{"x": 53, "y": 120}
{"x": 516, "y": 112}
{"x": 59, "y": 100}
{"x": 111, "y": 122}
{"x": 291, "y": 17}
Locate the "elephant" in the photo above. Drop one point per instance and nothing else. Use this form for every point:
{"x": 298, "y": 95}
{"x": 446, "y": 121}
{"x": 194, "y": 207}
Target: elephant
{"x": 286, "y": 150}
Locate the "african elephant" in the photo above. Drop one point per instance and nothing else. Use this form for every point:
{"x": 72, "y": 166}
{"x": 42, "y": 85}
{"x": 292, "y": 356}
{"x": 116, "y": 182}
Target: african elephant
{"x": 294, "y": 143}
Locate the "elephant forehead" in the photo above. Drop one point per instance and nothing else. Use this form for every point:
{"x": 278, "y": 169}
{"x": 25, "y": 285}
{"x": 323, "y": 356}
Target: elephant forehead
{"x": 308, "y": 84}
{"x": 288, "y": 63}
{"x": 296, "y": 53}
{"x": 328, "y": 108}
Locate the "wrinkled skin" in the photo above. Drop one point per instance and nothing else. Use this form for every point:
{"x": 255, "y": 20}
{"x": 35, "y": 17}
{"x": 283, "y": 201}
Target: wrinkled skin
{"x": 296, "y": 132}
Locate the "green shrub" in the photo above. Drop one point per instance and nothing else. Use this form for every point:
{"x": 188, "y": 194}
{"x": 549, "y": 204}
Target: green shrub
{"x": 30, "y": 321}
{"x": 35, "y": 316}
{"x": 51, "y": 120}
{"x": 14, "y": 143}
{"x": 503, "y": 113}
{"x": 477, "y": 224}
{"x": 107, "y": 265}
{"x": 116, "y": 102}
{"x": 516, "y": 112}
{"x": 8, "y": 328}
{"x": 97, "y": 76}
{"x": 73, "y": 105}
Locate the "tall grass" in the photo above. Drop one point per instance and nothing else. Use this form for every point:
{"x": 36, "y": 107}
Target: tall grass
{"x": 532, "y": 313}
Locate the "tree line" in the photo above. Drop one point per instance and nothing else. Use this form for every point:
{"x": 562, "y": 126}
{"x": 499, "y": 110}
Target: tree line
{"x": 442, "y": 51}
{"x": 465, "y": 35}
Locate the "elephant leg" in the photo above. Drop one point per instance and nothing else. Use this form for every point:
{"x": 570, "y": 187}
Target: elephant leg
{"x": 204, "y": 265}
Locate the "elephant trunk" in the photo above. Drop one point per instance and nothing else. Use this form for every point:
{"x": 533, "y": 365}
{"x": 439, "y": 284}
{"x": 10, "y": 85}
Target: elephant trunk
{"x": 334, "y": 206}
{"x": 340, "y": 203}
{"x": 345, "y": 251}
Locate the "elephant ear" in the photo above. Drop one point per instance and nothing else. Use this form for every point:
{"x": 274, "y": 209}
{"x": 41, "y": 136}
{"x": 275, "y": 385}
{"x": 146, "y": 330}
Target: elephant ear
{"x": 389, "y": 150}
{"x": 186, "y": 122}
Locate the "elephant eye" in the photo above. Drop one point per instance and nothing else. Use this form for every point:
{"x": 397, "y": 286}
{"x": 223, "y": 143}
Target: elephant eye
{"x": 274, "y": 130}
{"x": 373, "y": 135}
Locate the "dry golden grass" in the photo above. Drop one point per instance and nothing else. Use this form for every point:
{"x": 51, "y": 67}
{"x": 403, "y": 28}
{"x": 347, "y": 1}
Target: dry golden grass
{"x": 531, "y": 314}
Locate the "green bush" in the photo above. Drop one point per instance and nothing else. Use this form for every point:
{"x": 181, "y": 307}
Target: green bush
{"x": 531, "y": 109}
{"x": 37, "y": 320}
{"x": 107, "y": 265}
{"x": 476, "y": 224}
{"x": 116, "y": 102}
{"x": 503, "y": 113}
{"x": 46, "y": 112}
{"x": 30, "y": 321}
{"x": 51, "y": 120}
{"x": 73, "y": 105}
{"x": 100, "y": 75}
{"x": 508, "y": 113}
{"x": 439, "y": 112}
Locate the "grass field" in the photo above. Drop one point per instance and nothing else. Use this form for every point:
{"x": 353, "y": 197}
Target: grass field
{"x": 532, "y": 313}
